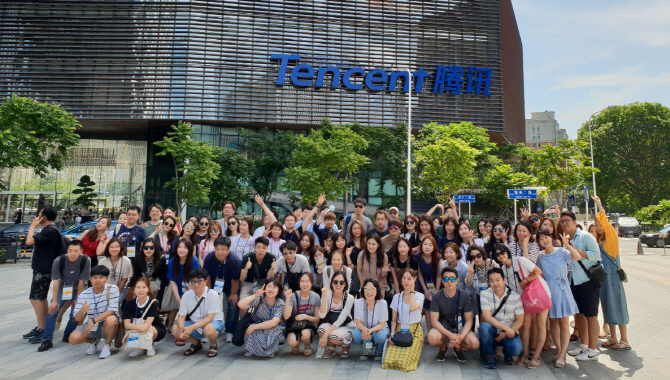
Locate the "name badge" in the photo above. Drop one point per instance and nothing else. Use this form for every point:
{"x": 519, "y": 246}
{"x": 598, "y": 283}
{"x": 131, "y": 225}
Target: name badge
{"x": 482, "y": 288}
{"x": 459, "y": 323}
{"x": 368, "y": 344}
{"x": 431, "y": 287}
{"x": 255, "y": 286}
{"x": 218, "y": 285}
{"x": 67, "y": 293}
{"x": 131, "y": 251}
{"x": 321, "y": 262}
{"x": 184, "y": 287}
{"x": 404, "y": 327}
{"x": 133, "y": 340}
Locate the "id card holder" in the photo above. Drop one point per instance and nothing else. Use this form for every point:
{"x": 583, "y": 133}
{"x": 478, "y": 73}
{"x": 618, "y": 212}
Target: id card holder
{"x": 431, "y": 287}
{"x": 321, "y": 262}
{"x": 368, "y": 344}
{"x": 131, "y": 251}
{"x": 218, "y": 285}
{"x": 404, "y": 327}
{"x": 459, "y": 323}
{"x": 255, "y": 286}
{"x": 67, "y": 293}
{"x": 286, "y": 287}
{"x": 133, "y": 340}
{"x": 184, "y": 287}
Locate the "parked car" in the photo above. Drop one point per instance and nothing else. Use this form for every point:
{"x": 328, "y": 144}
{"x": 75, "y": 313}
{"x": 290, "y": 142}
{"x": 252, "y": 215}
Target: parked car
{"x": 19, "y": 231}
{"x": 73, "y": 232}
{"x": 652, "y": 240}
{"x": 627, "y": 225}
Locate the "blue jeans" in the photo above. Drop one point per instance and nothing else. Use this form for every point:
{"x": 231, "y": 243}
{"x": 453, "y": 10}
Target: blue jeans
{"x": 232, "y": 315}
{"x": 378, "y": 337}
{"x": 487, "y": 334}
{"x": 50, "y": 324}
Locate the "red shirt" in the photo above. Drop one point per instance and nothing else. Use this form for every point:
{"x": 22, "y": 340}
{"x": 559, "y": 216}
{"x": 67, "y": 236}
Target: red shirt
{"x": 90, "y": 247}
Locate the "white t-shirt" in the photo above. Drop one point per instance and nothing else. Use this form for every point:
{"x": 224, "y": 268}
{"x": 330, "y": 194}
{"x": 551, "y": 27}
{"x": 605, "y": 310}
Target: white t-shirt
{"x": 405, "y": 316}
{"x": 527, "y": 267}
{"x": 210, "y": 305}
{"x": 380, "y": 312}
{"x": 259, "y": 231}
{"x": 240, "y": 246}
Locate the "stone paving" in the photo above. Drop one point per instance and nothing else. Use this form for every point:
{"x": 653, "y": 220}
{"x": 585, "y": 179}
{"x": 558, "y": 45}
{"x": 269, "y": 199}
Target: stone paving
{"x": 648, "y": 292}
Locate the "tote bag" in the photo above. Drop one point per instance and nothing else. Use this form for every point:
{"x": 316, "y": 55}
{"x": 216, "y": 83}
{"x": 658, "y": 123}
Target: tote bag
{"x": 534, "y": 298}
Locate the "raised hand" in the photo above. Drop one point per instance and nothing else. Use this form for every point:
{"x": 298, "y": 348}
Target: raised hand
{"x": 248, "y": 266}
{"x": 471, "y": 268}
{"x": 274, "y": 264}
{"x": 324, "y": 292}
{"x": 566, "y": 239}
{"x": 288, "y": 294}
{"x": 260, "y": 291}
{"x": 385, "y": 270}
{"x": 86, "y": 307}
{"x": 349, "y": 250}
{"x": 258, "y": 199}
{"x": 322, "y": 198}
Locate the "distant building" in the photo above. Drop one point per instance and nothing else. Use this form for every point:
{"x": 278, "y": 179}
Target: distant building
{"x": 542, "y": 129}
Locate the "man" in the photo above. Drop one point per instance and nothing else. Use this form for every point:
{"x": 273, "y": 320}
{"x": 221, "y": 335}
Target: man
{"x": 155, "y": 214}
{"x": 586, "y": 295}
{"x": 229, "y": 210}
{"x": 289, "y": 266}
{"x": 269, "y": 217}
{"x": 131, "y": 234}
{"x": 100, "y": 304}
{"x": 48, "y": 246}
{"x": 297, "y": 212}
{"x": 394, "y": 213}
{"x": 452, "y": 319}
{"x": 224, "y": 277}
{"x": 199, "y": 315}
{"x": 69, "y": 273}
{"x": 290, "y": 232}
{"x": 502, "y": 316}
{"x": 381, "y": 221}
{"x": 394, "y": 232}
{"x": 359, "y": 209}
{"x": 256, "y": 267}
{"x": 305, "y": 209}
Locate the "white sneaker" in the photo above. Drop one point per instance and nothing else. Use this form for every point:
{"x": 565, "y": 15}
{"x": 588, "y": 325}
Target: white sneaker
{"x": 577, "y": 351}
{"x": 57, "y": 326}
{"x": 587, "y": 355}
{"x": 135, "y": 352}
{"x": 151, "y": 351}
{"x": 105, "y": 353}
{"x": 248, "y": 353}
{"x": 92, "y": 348}
{"x": 229, "y": 337}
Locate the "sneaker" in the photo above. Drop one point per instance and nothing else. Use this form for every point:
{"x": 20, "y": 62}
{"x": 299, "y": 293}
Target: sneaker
{"x": 272, "y": 355}
{"x": 491, "y": 362}
{"x": 92, "y": 348}
{"x": 588, "y": 355}
{"x": 509, "y": 361}
{"x": 440, "y": 356}
{"x": 378, "y": 356}
{"x": 459, "y": 356}
{"x": 152, "y": 351}
{"x": 105, "y": 353}
{"x": 66, "y": 338}
{"x": 37, "y": 338}
{"x": 248, "y": 353}
{"x": 229, "y": 337}
{"x": 577, "y": 351}
{"x": 45, "y": 346}
{"x": 57, "y": 326}
{"x": 136, "y": 352}
{"x": 363, "y": 357}
{"x": 31, "y": 333}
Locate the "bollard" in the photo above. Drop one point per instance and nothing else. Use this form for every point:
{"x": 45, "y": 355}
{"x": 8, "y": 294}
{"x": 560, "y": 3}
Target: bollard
{"x": 640, "y": 251}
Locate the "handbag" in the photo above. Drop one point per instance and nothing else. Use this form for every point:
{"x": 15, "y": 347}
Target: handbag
{"x": 402, "y": 339}
{"x": 534, "y": 298}
{"x": 169, "y": 301}
{"x": 622, "y": 274}
{"x": 596, "y": 274}
{"x": 242, "y": 325}
{"x": 145, "y": 339}
{"x": 333, "y": 315}
{"x": 292, "y": 324}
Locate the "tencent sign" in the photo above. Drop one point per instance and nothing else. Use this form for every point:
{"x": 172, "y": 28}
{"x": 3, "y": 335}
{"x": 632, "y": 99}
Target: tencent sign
{"x": 452, "y": 79}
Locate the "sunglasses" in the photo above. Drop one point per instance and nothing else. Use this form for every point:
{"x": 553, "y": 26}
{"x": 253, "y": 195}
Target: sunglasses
{"x": 500, "y": 253}
{"x": 535, "y": 220}
{"x": 393, "y": 212}
{"x": 204, "y": 224}
{"x": 232, "y": 223}
{"x": 447, "y": 279}
{"x": 197, "y": 282}
{"x": 189, "y": 228}
{"x": 341, "y": 282}
{"x": 498, "y": 230}
{"x": 168, "y": 225}
{"x": 358, "y": 206}
{"x": 477, "y": 256}
{"x": 149, "y": 248}
{"x": 215, "y": 230}
{"x": 394, "y": 228}
{"x": 410, "y": 222}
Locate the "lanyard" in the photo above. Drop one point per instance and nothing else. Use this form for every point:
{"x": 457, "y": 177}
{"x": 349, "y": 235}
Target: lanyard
{"x": 286, "y": 234}
{"x": 271, "y": 308}
{"x": 238, "y": 243}
{"x": 370, "y": 322}
{"x": 223, "y": 271}
{"x": 309, "y": 300}
{"x": 95, "y": 306}
{"x": 67, "y": 271}
{"x": 458, "y": 310}
{"x": 370, "y": 269}
{"x": 127, "y": 237}
{"x": 120, "y": 259}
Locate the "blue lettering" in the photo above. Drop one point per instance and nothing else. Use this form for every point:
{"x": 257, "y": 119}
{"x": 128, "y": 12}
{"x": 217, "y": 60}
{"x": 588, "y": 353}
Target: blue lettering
{"x": 376, "y": 75}
{"x": 296, "y": 74}
{"x": 347, "y": 76}
{"x": 323, "y": 71}
{"x": 420, "y": 75}
{"x": 284, "y": 58}
{"x": 394, "y": 80}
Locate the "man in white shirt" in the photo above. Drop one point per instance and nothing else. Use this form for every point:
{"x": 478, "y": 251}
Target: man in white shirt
{"x": 200, "y": 315}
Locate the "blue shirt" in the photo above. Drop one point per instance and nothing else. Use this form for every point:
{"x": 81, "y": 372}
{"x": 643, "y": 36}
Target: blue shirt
{"x": 321, "y": 233}
{"x": 228, "y": 271}
{"x": 584, "y": 241}
{"x": 178, "y": 280}
{"x": 132, "y": 236}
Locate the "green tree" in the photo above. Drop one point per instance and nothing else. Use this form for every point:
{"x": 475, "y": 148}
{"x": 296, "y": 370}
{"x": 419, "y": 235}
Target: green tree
{"x": 321, "y": 165}
{"x": 271, "y": 152}
{"x": 501, "y": 178}
{"x": 194, "y": 162}
{"x": 631, "y": 147}
{"x": 35, "y": 135}
{"x": 655, "y": 214}
{"x": 230, "y": 184}
{"x": 86, "y": 192}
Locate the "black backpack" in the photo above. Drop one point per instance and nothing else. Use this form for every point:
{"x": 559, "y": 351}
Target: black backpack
{"x": 63, "y": 259}
{"x": 64, "y": 241}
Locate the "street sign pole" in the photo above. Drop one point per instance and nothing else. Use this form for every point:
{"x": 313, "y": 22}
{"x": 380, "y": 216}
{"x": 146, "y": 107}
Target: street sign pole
{"x": 459, "y": 209}
{"x": 515, "y": 211}
{"x": 586, "y": 200}
{"x": 469, "y": 211}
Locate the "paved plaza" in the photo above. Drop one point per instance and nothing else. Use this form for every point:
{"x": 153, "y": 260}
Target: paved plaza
{"x": 648, "y": 294}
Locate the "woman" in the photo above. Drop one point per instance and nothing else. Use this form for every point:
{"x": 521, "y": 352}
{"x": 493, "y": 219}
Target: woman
{"x": 409, "y": 231}
{"x": 320, "y": 260}
{"x": 437, "y": 221}
{"x": 534, "y": 220}
{"x": 179, "y": 267}
{"x": 374, "y": 263}
{"x": 233, "y": 227}
{"x": 90, "y": 239}
{"x": 428, "y": 259}
{"x": 203, "y": 227}
{"x": 166, "y": 233}
{"x": 121, "y": 220}
{"x": 519, "y": 272}
{"x": 524, "y": 242}
{"x": 612, "y": 294}
{"x": 554, "y": 265}
{"x": 402, "y": 259}
{"x": 141, "y": 315}
{"x": 302, "y": 306}
{"x": 425, "y": 229}
{"x": 500, "y": 234}
{"x": 336, "y": 265}
{"x": 120, "y": 267}
{"x": 452, "y": 257}
{"x": 207, "y": 245}
{"x": 477, "y": 279}
{"x": 266, "y": 331}
{"x": 548, "y": 225}
{"x": 370, "y": 330}
{"x": 466, "y": 238}
{"x": 274, "y": 236}
{"x": 153, "y": 267}
{"x": 329, "y": 244}
{"x": 482, "y": 233}
{"x": 244, "y": 242}
{"x": 406, "y": 317}
{"x": 354, "y": 248}
{"x": 307, "y": 247}
{"x": 335, "y": 313}
{"x": 448, "y": 233}
{"x": 188, "y": 232}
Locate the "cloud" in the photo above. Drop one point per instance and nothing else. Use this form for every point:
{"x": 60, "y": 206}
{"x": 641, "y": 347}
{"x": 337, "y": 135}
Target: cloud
{"x": 627, "y": 77}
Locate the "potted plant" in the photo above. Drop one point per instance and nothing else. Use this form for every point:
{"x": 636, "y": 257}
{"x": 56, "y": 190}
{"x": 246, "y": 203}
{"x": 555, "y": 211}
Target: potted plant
{"x": 3, "y": 251}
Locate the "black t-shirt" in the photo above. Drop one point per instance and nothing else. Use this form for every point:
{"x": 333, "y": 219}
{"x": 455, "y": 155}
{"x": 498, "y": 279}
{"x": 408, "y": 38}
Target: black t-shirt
{"x": 322, "y": 234}
{"x": 372, "y": 232}
{"x": 354, "y": 253}
{"x": 448, "y": 310}
{"x": 130, "y": 311}
{"x": 292, "y": 236}
{"x": 47, "y": 248}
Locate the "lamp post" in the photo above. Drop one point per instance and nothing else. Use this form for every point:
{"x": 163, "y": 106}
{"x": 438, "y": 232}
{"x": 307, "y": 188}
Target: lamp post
{"x": 593, "y": 173}
{"x": 408, "y": 208}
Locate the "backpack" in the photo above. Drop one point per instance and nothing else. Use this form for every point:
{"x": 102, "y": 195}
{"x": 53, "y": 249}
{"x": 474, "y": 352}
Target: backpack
{"x": 64, "y": 241}
{"x": 63, "y": 258}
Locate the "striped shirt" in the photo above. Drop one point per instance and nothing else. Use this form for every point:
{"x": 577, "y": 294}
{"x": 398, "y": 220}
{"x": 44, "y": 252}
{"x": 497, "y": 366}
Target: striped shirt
{"x": 507, "y": 314}
{"x": 98, "y": 302}
{"x": 533, "y": 251}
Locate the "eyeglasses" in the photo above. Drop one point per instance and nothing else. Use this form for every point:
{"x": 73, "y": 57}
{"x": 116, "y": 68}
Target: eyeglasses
{"x": 358, "y": 206}
{"x": 149, "y": 248}
{"x": 500, "y": 253}
{"x": 368, "y": 289}
{"x": 447, "y": 279}
{"x": 189, "y": 228}
{"x": 565, "y": 221}
{"x": 394, "y": 228}
{"x": 204, "y": 223}
{"x": 410, "y": 222}
{"x": 477, "y": 256}
{"x": 197, "y": 282}
{"x": 288, "y": 253}
{"x": 498, "y": 230}
{"x": 168, "y": 225}
{"x": 215, "y": 230}
{"x": 341, "y": 282}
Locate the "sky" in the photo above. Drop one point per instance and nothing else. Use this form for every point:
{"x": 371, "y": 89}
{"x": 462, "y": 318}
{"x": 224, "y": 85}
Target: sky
{"x": 583, "y": 56}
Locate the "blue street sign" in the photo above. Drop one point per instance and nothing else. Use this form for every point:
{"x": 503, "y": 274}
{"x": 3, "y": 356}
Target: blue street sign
{"x": 464, "y": 198}
{"x": 586, "y": 193}
{"x": 521, "y": 194}
{"x": 572, "y": 201}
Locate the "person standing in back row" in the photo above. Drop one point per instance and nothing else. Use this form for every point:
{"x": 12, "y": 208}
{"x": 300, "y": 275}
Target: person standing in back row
{"x": 131, "y": 234}
{"x": 359, "y": 209}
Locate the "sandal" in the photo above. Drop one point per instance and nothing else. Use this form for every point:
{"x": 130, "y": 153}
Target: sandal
{"x": 560, "y": 363}
{"x": 329, "y": 353}
{"x": 295, "y": 350}
{"x": 621, "y": 346}
{"x": 179, "y": 343}
{"x": 521, "y": 360}
{"x": 193, "y": 349}
{"x": 574, "y": 338}
{"x": 308, "y": 350}
{"x": 534, "y": 363}
{"x": 345, "y": 352}
{"x": 213, "y": 351}
{"x": 609, "y": 343}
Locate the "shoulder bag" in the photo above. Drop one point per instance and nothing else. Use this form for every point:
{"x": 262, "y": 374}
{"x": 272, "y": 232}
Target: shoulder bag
{"x": 334, "y": 315}
{"x": 502, "y": 302}
{"x": 293, "y": 325}
{"x": 596, "y": 274}
{"x": 243, "y": 324}
{"x": 534, "y": 297}
{"x": 622, "y": 274}
{"x": 145, "y": 339}
{"x": 401, "y": 339}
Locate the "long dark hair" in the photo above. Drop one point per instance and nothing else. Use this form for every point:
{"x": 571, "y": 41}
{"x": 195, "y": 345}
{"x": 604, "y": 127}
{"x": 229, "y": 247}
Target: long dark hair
{"x": 194, "y": 236}
{"x": 173, "y": 234}
{"x": 363, "y": 238}
{"x": 396, "y": 253}
{"x": 416, "y": 223}
{"x": 380, "y": 252}
{"x": 434, "y": 257}
{"x": 311, "y": 250}
{"x": 452, "y": 221}
{"x": 229, "y": 232}
{"x": 346, "y": 282}
{"x": 457, "y": 234}
{"x": 94, "y": 234}
{"x": 155, "y": 259}
{"x": 187, "y": 263}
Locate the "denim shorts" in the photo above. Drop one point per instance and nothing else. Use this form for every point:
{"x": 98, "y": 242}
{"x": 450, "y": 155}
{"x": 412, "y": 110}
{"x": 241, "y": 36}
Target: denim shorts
{"x": 218, "y": 325}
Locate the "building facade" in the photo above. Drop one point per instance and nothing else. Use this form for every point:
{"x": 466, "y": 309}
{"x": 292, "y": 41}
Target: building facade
{"x": 542, "y": 129}
{"x": 128, "y": 69}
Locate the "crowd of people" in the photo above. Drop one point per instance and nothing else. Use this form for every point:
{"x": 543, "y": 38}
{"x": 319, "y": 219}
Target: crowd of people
{"x": 506, "y": 292}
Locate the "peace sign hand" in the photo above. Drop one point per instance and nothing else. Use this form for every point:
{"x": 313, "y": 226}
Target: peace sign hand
{"x": 260, "y": 291}
{"x": 471, "y": 268}
{"x": 566, "y": 239}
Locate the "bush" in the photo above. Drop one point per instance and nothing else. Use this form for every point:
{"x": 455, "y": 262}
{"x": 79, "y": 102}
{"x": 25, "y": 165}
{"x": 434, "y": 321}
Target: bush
{"x": 656, "y": 214}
